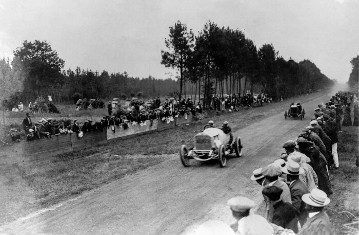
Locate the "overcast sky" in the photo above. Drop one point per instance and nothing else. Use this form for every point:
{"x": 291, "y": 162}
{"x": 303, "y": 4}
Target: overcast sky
{"x": 128, "y": 35}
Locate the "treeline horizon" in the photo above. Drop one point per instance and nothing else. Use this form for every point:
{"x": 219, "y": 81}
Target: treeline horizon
{"x": 218, "y": 56}
{"x": 217, "y": 61}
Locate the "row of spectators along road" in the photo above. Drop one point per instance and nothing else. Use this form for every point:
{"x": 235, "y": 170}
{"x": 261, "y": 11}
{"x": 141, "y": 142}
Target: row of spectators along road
{"x": 296, "y": 187}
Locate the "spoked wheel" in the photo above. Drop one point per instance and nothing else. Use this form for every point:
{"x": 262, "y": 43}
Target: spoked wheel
{"x": 222, "y": 156}
{"x": 184, "y": 156}
{"x": 238, "y": 147}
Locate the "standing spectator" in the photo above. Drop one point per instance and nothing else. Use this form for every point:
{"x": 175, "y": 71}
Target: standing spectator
{"x": 318, "y": 222}
{"x": 323, "y": 136}
{"x": 284, "y": 214}
{"x": 308, "y": 175}
{"x": 297, "y": 189}
{"x": 347, "y": 118}
{"x": 30, "y": 106}
{"x": 109, "y": 109}
{"x": 259, "y": 177}
{"x": 21, "y": 107}
{"x": 339, "y": 116}
{"x": 331, "y": 128}
{"x": 309, "y": 134}
{"x": 318, "y": 162}
{"x": 246, "y": 223}
{"x": 272, "y": 173}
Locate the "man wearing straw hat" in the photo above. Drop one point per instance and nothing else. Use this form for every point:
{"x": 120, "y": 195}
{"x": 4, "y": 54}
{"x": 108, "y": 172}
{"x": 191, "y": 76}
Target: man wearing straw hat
{"x": 297, "y": 189}
{"x": 259, "y": 177}
{"x": 318, "y": 221}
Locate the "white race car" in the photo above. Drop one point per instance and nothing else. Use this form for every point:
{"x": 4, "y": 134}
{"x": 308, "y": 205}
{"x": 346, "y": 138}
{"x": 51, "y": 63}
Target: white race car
{"x": 210, "y": 144}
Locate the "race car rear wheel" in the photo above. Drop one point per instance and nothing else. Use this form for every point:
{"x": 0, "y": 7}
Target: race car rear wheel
{"x": 184, "y": 156}
{"x": 222, "y": 156}
{"x": 238, "y": 147}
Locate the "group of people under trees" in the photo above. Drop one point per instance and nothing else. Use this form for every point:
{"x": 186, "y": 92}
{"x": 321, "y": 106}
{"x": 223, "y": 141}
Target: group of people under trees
{"x": 138, "y": 111}
{"x": 296, "y": 187}
{"x": 46, "y": 128}
{"x": 84, "y": 104}
{"x": 233, "y": 102}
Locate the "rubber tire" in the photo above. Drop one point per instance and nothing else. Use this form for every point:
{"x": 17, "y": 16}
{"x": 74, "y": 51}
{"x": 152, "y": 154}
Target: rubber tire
{"x": 183, "y": 156}
{"x": 238, "y": 149}
{"x": 222, "y": 156}
{"x": 285, "y": 114}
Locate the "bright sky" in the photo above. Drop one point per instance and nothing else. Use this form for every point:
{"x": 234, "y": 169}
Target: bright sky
{"x": 128, "y": 35}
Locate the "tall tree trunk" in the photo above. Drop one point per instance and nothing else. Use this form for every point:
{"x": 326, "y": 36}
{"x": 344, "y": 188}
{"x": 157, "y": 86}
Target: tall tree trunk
{"x": 245, "y": 85}
{"x": 181, "y": 81}
{"x": 199, "y": 90}
{"x": 239, "y": 84}
{"x": 195, "y": 90}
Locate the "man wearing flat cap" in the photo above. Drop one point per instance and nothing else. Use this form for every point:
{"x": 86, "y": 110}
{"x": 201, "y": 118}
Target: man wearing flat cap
{"x": 284, "y": 214}
{"x": 272, "y": 173}
{"x": 297, "y": 189}
{"x": 247, "y": 223}
{"x": 318, "y": 221}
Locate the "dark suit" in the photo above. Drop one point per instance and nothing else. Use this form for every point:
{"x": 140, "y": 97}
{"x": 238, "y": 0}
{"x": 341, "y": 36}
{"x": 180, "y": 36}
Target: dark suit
{"x": 317, "y": 225}
{"x": 297, "y": 190}
{"x": 27, "y": 123}
{"x": 285, "y": 215}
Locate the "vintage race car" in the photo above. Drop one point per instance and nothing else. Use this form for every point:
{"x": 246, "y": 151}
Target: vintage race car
{"x": 210, "y": 144}
{"x": 295, "y": 111}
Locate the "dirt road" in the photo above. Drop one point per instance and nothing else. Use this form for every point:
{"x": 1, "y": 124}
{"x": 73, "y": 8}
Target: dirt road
{"x": 168, "y": 198}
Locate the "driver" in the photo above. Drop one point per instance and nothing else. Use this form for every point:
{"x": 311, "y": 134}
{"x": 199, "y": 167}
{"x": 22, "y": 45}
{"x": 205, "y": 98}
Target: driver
{"x": 210, "y": 124}
{"x": 227, "y": 130}
{"x": 299, "y": 107}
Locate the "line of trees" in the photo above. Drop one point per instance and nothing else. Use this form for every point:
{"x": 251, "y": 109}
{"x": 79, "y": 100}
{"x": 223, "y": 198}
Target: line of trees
{"x": 37, "y": 70}
{"x": 218, "y": 60}
{"x": 219, "y": 56}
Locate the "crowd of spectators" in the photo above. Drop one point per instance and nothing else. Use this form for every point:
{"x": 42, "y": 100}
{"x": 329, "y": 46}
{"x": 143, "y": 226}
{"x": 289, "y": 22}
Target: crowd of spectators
{"x": 136, "y": 112}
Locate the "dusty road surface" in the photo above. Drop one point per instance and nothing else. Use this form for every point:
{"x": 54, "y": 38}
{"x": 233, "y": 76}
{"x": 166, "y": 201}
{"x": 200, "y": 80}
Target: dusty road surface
{"x": 168, "y": 198}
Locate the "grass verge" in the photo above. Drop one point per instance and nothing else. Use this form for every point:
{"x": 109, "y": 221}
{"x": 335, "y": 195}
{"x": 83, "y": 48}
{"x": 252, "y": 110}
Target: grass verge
{"x": 344, "y": 207}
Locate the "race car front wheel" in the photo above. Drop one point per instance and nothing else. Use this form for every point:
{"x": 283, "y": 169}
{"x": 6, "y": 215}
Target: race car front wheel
{"x": 238, "y": 147}
{"x": 222, "y": 156}
{"x": 184, "y": 156}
